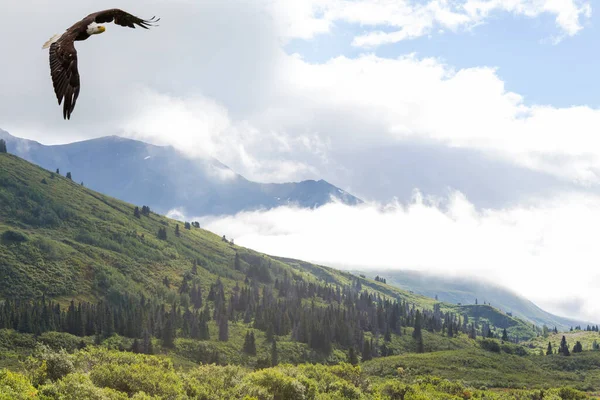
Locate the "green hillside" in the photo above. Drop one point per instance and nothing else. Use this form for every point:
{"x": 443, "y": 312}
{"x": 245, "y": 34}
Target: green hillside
{"x": 67, "y": 242}
{"x": 465, "y": 290}
{"x": 88, "y": 274}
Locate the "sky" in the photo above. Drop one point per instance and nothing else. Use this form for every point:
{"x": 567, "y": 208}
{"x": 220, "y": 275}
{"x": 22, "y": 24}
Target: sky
{"x": 469, "y": 127}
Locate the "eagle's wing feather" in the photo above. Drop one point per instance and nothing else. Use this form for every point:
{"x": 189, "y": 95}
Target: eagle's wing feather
{"x": 64, "y": 72}
{"x": 122, "y": 18}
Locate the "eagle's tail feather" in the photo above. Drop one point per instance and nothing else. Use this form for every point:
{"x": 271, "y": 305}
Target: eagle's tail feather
{"x": 51, "y": 40}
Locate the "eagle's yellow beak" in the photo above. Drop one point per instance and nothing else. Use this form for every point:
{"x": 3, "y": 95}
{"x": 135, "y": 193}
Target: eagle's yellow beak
{"x": 101, "y": 29}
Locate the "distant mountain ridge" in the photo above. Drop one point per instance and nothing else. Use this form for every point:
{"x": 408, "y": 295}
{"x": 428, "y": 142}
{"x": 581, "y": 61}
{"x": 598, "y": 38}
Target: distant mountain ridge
{"x": 467, "y": 290}
{"x": 164, "y": 179}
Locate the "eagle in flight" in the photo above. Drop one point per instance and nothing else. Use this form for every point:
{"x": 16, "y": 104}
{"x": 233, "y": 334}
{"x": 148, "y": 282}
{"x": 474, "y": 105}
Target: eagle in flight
{"x": 63, "y": 56}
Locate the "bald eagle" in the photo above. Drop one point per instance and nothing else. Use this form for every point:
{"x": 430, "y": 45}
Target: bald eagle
{"x": 63, "y": 56}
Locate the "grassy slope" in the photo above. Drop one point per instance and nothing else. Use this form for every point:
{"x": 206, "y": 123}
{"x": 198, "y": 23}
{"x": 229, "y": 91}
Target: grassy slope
{"x": 98, "y": 249}
{"x": 465, "y": 291}
{"x": 586, "y": 339}
{"x": 477, "y": 367}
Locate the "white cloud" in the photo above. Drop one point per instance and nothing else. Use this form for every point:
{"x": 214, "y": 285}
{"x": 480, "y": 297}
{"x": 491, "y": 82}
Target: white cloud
{"x": 407, "y": 19}
{"x": 546, "y": 250}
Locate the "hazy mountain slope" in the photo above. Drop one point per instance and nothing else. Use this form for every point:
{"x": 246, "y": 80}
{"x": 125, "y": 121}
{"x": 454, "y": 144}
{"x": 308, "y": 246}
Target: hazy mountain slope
{"x": 466, "y": 291}
{"x": 164, "y": 179}
{"x": 66, "y": 241}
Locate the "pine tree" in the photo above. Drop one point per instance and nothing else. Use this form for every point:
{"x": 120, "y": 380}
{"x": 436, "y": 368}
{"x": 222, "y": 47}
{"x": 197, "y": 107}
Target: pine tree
{"x": 3, "y": 146}
{"x": 564, "y": 348}
{"x": 366, "y": 353}
{"x": 549, "y": 350}
{"x": 578, "y": 348}
{"x": 417, "y": 334}
{"x": 147, "y": 343}
{"x": 249, "y": 344}
{"x": 504, "y": 335}
{"x": 352, "y": 358}
{"x": 136, "y": 212}
{"x": 223, "y": 328}
{"x": 69, "y": 175}
{"x": 168, "y": 334}
{"x": 274, "y": 354}
{"x": 136, "y": 347}
{"x": 388, "y": 335}
{"x": 177, "y": 230}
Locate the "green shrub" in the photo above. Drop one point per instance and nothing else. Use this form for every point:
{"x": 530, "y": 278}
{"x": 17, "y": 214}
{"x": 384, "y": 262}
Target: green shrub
{"x": 11, "y": 237}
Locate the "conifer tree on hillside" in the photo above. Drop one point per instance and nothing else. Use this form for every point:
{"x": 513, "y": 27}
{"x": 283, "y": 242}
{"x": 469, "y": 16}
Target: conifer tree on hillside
{"x": 249, "y": 344}
{"x": 274, "y": 354}
{"x": 352, "y": 358}
{"x": 564, "y": 347}
{"x": 3, "y": 146}
{"x": 136, "y": 212}
{"x": 549, "y": 350}
{"x": 578, "y": 348}
{"x": 177, "y": 230}
{"x": 223, "y": 328}
{"x": 504, "y": 335}
{"x": 69, "y": 175}
{"x": 162, "y": 233}
{"x": 366, "y": 353}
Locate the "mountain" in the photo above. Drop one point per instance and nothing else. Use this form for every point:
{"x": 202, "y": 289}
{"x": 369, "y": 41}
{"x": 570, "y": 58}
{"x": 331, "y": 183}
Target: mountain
{"x": 164, "y": 178}
{"x": 466, "y": 291}
{"x": 66, "y": 241}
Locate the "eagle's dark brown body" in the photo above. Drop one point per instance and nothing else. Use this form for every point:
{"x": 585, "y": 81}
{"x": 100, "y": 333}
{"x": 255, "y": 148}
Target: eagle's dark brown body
{"x": 63, "y": 55}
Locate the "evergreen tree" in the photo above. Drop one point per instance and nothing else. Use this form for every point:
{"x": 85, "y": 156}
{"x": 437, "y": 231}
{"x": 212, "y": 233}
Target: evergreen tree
{"x": 57, "y": 171}
{"x": 352, "y": 358}
{"x": 168, "y": 334}
{"x": 564, "y": 348}
{"x": 549, "y": 350}
{"x": 578, "y": 348}
{"x": 177, "y": 230}
{"x": 69, "y": 175}
{"x": 274, "y": 353}
{"x": 417, "y": 334}
{"x": 136, "y": 212}
{"x": 3, "y": 146}
{"x": 147, "y": 343}
{"x": 366, "y": 353}
{"x": 249, "y": 344}
{"x": 388, "y": 335}
{"x": 223, "y": 328}
{"x": 504, "y": 335}
{"x": 187, "y": 226}
{"x": 136, "y": 347}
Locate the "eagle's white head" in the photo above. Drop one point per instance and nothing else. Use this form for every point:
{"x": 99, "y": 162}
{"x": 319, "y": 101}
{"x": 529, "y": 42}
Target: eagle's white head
{"x": 94, "y": 29}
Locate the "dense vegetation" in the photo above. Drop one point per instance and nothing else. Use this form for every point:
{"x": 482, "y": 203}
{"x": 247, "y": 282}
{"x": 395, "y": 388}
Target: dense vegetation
{"x": 97, "y": 373}
{"x": 114, "y": 284}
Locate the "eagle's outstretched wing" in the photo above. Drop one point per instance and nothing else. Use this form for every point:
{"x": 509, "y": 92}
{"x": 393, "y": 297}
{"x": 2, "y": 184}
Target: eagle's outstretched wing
{"x": 122, "y": 18}
{"x": 65, "y": 76}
